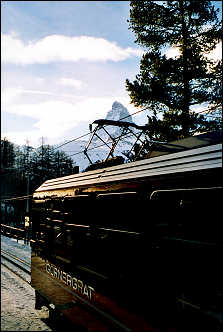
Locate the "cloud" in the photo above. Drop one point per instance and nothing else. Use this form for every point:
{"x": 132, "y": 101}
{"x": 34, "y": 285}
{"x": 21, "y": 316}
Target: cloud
{"x": 55, "y": 118}
{"x": 63, "y": 114}
{"x": 60, "y": 48}
{"x": 77, "y": 84}
{"x": 21, "y": 137}
{"x": 9, "y": 95}
{"x": 18, "y": 95}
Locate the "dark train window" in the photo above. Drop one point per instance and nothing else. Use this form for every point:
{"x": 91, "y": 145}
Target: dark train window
{"x": 122, "y": 210}
{"x": 190, "y": 212}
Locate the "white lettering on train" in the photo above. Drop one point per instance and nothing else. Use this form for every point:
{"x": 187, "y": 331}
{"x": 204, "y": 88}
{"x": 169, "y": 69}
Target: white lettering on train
{"x": 73, "y": 282}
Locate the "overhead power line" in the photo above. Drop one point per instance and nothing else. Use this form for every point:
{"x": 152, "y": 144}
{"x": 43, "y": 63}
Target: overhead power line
{"x": 72, "y": 140}
{"x": 99, "y": 146}
{"x": 77, "y": 138}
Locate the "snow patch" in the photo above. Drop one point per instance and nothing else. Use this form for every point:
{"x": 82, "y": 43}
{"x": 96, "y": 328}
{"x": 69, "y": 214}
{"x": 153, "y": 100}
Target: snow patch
{"x": 17, "y": 297}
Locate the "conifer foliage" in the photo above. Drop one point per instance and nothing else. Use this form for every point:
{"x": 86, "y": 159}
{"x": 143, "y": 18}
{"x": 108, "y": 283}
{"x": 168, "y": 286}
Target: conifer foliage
{"x": 41, "y": 164}
{"x": 170, "y": 87}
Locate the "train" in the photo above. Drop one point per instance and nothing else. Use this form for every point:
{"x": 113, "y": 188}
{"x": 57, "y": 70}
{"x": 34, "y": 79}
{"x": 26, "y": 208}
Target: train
{"x": 136, "y": 246}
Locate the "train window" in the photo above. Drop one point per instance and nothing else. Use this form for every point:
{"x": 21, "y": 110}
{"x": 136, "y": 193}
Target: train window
{"x": 72, "y": 203}
{"x": 102, "y": 227}
{"x": 77, "y": 209}
{"x": 105, "y": 252}
{"x": 194, "y": 195}
{"x": 122, "y": 210}
{"x": 190, "y": 212}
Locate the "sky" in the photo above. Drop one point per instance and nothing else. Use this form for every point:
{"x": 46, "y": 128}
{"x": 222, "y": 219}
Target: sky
{"x": 64, "y": 63}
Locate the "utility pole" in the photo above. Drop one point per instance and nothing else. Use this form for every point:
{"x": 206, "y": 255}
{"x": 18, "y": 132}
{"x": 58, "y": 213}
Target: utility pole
{"x": 27, "y": 216}
{"x": 27, "y": 193}
{"x": 27, "y": 176}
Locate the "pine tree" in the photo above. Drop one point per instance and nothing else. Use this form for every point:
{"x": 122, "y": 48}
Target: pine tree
{"x": 47, "y": 163}
{"x": 171, "y": 87}
{"x": 7, "y": 155}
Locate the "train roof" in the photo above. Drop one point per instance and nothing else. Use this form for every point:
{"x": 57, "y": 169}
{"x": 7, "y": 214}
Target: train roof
{"x": 199, "y": 140}
{"x": 195, "y": 159}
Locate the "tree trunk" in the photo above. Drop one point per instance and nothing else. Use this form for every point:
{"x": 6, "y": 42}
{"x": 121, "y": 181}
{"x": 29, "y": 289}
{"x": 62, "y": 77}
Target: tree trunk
{"x": 186, "y": 83}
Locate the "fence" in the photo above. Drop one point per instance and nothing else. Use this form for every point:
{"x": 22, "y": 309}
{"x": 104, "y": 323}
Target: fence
{"x": 16, "y": 233}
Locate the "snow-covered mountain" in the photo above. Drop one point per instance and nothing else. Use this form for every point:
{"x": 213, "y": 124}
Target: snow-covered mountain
{"x": 117, "y": 113}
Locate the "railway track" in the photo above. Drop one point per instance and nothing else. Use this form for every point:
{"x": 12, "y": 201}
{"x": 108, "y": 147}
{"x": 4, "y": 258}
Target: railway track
{"x": 17, "y": 265}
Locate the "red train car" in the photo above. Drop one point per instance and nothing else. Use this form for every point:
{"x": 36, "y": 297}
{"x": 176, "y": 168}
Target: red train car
{"x": 135, "y": 246}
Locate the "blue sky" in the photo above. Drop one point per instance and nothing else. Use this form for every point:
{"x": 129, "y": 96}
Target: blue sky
{"x": 63, "y": 65}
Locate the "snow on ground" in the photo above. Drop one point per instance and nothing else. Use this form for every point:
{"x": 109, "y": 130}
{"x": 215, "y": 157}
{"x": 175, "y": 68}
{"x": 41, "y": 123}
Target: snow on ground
{"x": 17, "y": 297}
{"x": 17, "y": 305}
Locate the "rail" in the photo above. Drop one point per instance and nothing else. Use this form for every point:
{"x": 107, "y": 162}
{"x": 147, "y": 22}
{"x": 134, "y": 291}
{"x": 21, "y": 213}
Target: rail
{"x": 18, "y": 263}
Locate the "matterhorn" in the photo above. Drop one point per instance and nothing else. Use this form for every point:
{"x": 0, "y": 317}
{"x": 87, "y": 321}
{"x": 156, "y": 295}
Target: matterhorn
{"x": 117, "y": 113}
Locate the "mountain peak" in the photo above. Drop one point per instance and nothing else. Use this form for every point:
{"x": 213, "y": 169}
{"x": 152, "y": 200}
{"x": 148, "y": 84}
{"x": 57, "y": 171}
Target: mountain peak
{"x": 116, "y": 104}
{"x": 118, "y": 112}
